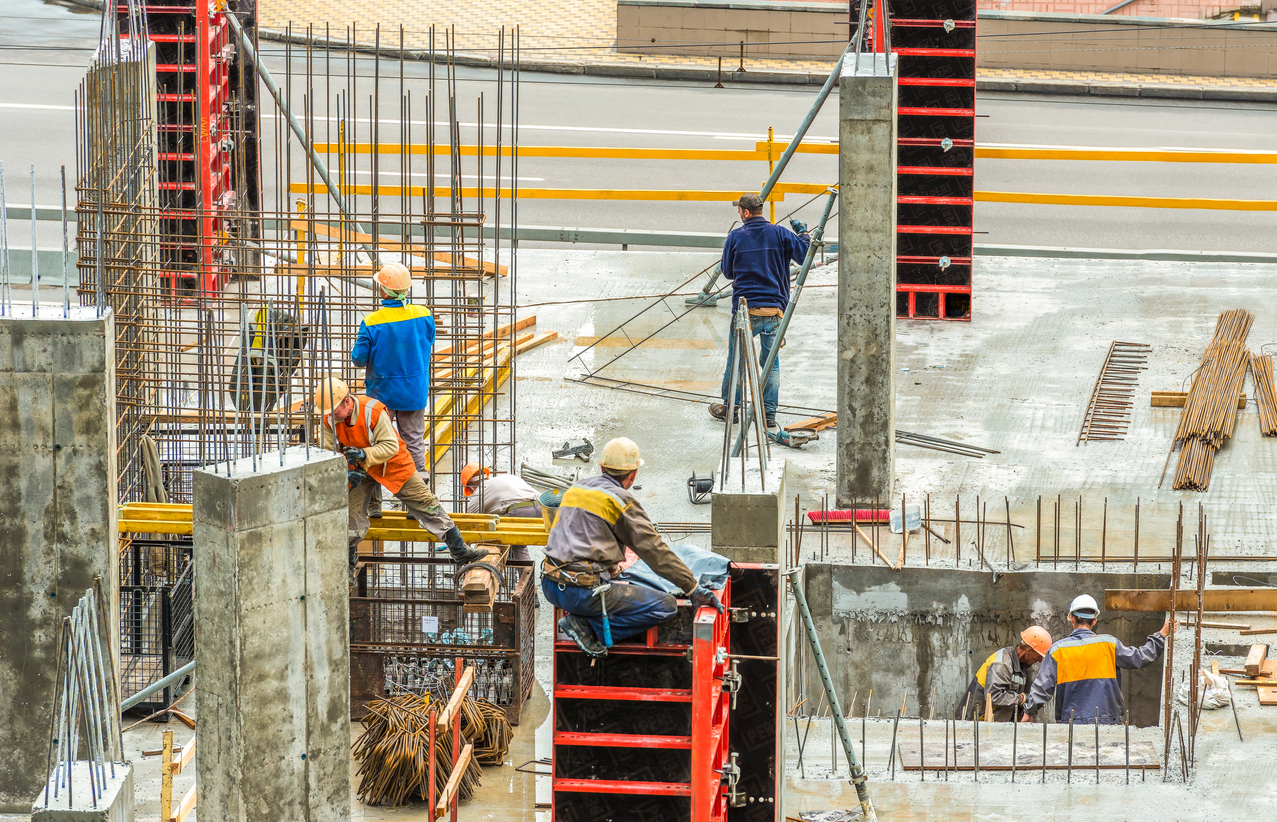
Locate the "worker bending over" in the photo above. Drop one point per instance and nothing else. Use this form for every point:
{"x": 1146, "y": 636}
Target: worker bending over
{"x": 598, "y": 517}
{"x": 505, "y": 495}
{"x": 756, "y": 259}
{"x": 393, "y": 347}
{"x": 1081, "y": 670}
{"x": 1003, "y": 680}
{"x": 378, "y": 457}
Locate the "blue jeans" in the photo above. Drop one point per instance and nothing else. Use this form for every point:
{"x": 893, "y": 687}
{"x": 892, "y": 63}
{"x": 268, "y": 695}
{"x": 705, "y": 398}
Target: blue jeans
{"x": 631, "y": 609}
{"x": 765, "y": 329}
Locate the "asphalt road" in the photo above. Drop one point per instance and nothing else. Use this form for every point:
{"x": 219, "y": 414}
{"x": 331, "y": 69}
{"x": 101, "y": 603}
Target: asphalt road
{"x": 44, "y": 47}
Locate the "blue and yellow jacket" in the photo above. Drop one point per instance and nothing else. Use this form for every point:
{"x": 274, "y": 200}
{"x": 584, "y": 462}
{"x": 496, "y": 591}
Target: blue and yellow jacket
{"x": 1081, "y": 672}
{"x": 394, "y": 346}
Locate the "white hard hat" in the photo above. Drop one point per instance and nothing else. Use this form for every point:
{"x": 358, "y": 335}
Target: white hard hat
{"x": 1085, "y": 606}
{"x": 620, "y": 454}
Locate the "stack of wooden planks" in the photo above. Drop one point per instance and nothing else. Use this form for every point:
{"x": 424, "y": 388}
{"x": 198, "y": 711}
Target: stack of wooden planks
{"x": 478, "y": 588}
{"x": 1259, "y": 672}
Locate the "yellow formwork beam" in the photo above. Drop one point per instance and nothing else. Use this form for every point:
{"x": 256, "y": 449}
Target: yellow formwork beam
{"x": 1117, "y": 201}
{"x": 1124, "y": 155}
{"x": 641, "y": 194}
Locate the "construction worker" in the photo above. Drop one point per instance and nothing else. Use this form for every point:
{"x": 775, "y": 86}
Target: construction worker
{"x": 1003, "y": 680}
{"x": 756, "y": 259}
{"x": 505, "y": 495}
{"x": 393, "y": 347}
{"x": 1081, "y": 670}
{"x": 598, "y": 518}
{"x": 359, "y": 427}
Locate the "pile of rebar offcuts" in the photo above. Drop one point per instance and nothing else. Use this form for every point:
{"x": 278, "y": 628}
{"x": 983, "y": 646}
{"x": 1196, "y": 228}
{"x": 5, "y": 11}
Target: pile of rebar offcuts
{"x": 1210, "y": 410}
{"x": 395, "y": 749}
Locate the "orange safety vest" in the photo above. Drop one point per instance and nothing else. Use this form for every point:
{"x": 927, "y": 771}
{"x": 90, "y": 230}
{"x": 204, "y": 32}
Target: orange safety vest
{"x": 392, "y": 473}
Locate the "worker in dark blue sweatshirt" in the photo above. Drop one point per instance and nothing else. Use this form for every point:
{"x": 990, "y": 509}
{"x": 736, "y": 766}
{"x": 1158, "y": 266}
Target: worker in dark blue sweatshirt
{"x": 756, "y": 259}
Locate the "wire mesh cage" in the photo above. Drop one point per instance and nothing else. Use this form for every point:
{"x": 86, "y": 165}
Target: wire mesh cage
{"x": 409, "y": 626}
{"x": 157, "y": 618}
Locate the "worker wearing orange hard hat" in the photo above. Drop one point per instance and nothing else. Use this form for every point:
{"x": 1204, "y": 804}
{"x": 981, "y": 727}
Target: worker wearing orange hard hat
{"x": 1003, "y": 680}
{"x": 505, "y": 495}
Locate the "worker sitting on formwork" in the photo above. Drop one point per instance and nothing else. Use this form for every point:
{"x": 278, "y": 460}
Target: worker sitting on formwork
{"x": 378, "y": 457}
{"x": 1081, "y": 670}
{"x": 394, "y": 347}
{"x": 598, "y": 517}
{"x": 1002, "y": 683}
{"x": 756, "y": 259}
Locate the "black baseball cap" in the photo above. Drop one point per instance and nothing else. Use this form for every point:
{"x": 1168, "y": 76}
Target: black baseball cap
{"x": 749, "y": 201}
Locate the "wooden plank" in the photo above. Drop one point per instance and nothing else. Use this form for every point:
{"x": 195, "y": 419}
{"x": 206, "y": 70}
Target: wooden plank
{"x": 1256, "y": 682}
{"x": 1214, "y": 600}
{"x": 458, "y": 694}
{"x": 539, "y": 339}
{"x": 1177, "y": 399}
{"x": 478, "y": 586}
{"x": 502, "y": 331}
{"x": 1254, "y": 631}
{"x": 814, "y": 423}
{"x": 1269, "y": 669}
{"x": 1206, "y": 623}
{"x": 188, "y": 754}
{"x": 1255, "y": 659}
{"x": 185, "y": 807}
{"x": 166, "y": 777}
{"x": 1267, "y": 694}
{"x": 186, "y": 720}
{"x": 454, "y": 780}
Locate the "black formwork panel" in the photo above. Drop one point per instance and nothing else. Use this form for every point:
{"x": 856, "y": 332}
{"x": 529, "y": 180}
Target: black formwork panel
{"x": 596, "y": 807}
{"x": 754, "y": 727}
{"x": 157, "y": 618}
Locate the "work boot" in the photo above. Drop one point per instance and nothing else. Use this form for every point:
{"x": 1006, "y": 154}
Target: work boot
{"x": 771, "y": 422}
{"x": 719, "y": 412}
{"x": 461, "y": 553}
{"x": 579, "y": 631}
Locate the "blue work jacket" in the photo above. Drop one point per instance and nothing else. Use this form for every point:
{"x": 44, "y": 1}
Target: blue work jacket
{"x": 756, "y": 259}
{"x": 394, "y": 346}
{"x": 1081, "y": 671}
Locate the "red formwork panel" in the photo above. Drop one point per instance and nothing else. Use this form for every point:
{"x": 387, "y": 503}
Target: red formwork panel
{"x": 644, "y": 733}
{"x": 206, "y": 123}
{"x": 934, "y": 42}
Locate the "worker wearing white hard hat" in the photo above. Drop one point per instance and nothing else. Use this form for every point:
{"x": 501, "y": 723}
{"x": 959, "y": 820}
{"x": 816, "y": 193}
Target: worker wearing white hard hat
{"x": 1082, "y": 671}
{"x": 359, "y": 428}
{"x": 598, "y": 518}
{"x": 393, "y": 347}
{"x": 1001, "y": 684}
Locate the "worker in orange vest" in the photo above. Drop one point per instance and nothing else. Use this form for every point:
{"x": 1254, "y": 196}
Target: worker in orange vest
{"x": 361, "y": 428}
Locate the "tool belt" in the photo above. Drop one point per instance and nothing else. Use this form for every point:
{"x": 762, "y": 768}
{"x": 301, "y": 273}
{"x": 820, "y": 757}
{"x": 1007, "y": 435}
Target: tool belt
{"x": 577, "y": 573}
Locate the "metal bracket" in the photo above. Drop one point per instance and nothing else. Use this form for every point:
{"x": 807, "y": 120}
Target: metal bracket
{"x": 741, "y": 614}
{"x": 731, "y": 774}
{"x": 732, "y": 680}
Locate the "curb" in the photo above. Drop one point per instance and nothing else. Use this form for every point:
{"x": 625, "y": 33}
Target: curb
{"x": 1164, "y": 91}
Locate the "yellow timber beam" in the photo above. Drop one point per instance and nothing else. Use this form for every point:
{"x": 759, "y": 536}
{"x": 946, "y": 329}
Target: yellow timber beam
{"x": 641, "y": 194}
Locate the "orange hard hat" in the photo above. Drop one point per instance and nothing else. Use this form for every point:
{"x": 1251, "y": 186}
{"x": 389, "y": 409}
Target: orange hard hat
{"x": 468, "y": 474}
{"x": 1037, "y": 639}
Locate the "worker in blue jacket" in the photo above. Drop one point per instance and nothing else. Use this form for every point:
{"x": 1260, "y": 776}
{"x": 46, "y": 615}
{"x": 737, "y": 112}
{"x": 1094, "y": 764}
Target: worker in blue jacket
{"x": 1081, "y": 670}
{"x": 394, "y": 347}
{"x": 756, "y": 259}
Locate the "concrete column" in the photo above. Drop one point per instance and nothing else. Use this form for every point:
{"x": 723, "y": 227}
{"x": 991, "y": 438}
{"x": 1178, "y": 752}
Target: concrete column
{"x": 866, "y": 455}
{"x": 749, "y": 525}
{"x": 272, "y": 654}
{"x": 57, "y": 516}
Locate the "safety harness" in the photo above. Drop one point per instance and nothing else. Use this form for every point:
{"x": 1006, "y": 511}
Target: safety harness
{"x": 593, "y": 576}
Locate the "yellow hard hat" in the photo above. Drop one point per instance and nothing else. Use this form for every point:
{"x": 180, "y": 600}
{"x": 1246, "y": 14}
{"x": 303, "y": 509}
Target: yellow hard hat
{"x": 394, "y": 277}
{"x": 467, "y": 476}
{"x": 1037, "y": 639}
{"x": 329, "y": 394}
{"x": 620, "y": 454}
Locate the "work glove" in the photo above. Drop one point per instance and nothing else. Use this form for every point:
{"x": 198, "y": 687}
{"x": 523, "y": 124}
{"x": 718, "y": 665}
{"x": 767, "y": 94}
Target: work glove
{"x": 354, "y": 476}
{"x": 355, "y": 455}
{"x": 798, "y": 226}
{"x": 703, "y": 597}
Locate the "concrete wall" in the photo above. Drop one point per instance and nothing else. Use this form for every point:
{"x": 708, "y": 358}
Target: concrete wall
{"x": 750, "y": 526}
{"x": 866, "y": 449}
{"x": 272, "y": 639}
{"x": 1139, "y": 45}
{"x": 694, "y": 27}
{"x": 57, "y": 517}
{"x": 921, "y": 629}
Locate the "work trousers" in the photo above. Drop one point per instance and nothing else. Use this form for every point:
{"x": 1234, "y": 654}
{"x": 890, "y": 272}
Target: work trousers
{"x": 631, "y": 609}
{"x": 412, "y": 430}
{"x": 765, "y": 329}
{"x": 530, "y": 509}
{"x": 417, "y": 498}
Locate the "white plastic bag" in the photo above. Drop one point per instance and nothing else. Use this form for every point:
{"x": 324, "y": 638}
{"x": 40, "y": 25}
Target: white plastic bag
{"x": 1217, "y": 694}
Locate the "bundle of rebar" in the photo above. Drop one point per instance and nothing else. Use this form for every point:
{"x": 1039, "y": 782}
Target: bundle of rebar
{"x": 1261, "y": 370}
{"x": 492, "y": 739}
{"x": 1108, "y": 413}
{"x": 1210, "y": 412}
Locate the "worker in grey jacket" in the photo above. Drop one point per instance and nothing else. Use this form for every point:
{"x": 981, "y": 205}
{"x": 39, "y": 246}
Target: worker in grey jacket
{"x": 1002, "y": 682}
{"x": 505, "y": 495}
{"x": 597, "y": 519}
{"x": 1081, "y": 670}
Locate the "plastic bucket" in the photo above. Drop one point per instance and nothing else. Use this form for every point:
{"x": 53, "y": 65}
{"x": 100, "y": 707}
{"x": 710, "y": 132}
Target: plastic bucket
{"x": 549, "y": 501}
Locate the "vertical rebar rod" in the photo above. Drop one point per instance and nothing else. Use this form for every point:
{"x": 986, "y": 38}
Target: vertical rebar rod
{"x": 35, "y": 255}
